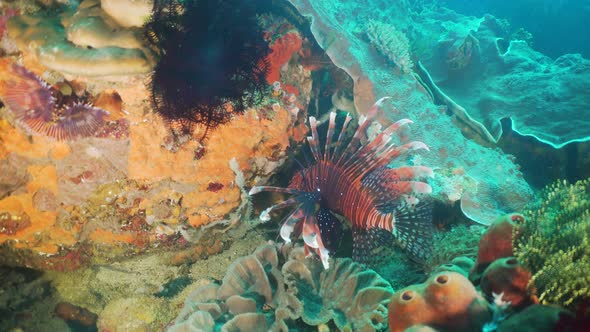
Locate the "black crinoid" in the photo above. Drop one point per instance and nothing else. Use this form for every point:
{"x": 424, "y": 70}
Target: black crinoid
{"x": 211, "y": 60}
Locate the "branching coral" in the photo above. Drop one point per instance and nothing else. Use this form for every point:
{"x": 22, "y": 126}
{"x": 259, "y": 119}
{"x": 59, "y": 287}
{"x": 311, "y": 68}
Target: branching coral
{"x": 554, "y": 243}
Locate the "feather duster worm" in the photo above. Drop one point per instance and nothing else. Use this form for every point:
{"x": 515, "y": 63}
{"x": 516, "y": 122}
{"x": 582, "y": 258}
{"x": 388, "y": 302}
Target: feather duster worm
{"x": 41, "y": 109}
{"x": 353, "y": 181}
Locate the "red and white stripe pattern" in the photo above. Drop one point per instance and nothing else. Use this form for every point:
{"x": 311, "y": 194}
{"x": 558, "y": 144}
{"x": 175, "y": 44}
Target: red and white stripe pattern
{"x": 351, "y": 180}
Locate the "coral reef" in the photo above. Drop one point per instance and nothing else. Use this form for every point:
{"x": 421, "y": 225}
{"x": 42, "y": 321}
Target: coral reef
{"x": 459, "y": 241}
{"x": 128, "y": 13}
{"x": 258, "y": 294}
{"x": 354, "y": 297}
{"x": 27, "y": 301}
{"x": 139, "y": 313}
{"x": 489, "y": 76}
{"x": 75, "y": 315}
{"x": 337, "y": 27}
{"x": 554, "y": 244}
{"x": 46, "y": 110}
{"x": 84, "y": 41}
{"x": 282, "y": 49}
{"x": 252, "y": 296}
{"x": 132, "y": 185}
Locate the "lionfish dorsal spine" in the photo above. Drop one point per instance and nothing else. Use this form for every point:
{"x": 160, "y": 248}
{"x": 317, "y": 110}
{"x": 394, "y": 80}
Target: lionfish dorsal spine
{"x": 340, "y": 139}
{"x": 313, "y": 140}
{"x": 329, "y": 134}
{"x": 290, "y": 222}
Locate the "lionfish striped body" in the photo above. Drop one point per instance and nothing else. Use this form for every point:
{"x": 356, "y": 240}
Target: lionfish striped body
{"x": 35, "y": 108}
{"x": 354, "y": 181}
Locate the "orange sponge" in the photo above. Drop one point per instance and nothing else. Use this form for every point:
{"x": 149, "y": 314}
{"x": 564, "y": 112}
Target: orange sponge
{"x": 507, "y": 277}
{"x": 446, "y": 300}
{"x": 496, "y": 242}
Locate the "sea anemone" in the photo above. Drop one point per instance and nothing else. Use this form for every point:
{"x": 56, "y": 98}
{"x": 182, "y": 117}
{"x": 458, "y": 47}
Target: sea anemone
{"x": 44, "y": 110}
{"x": 211, "y": 60}
{"x": 353, "y": 181}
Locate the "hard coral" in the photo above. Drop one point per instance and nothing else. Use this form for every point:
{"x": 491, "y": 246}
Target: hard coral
{"x": 446, "y": 300}
{"x": 554, "y": 244}
{"x": 257, "y": 294}
{"x": 82, "y": 41}
{"x": 211, "y": 60}
{"x": 348, "y": 293}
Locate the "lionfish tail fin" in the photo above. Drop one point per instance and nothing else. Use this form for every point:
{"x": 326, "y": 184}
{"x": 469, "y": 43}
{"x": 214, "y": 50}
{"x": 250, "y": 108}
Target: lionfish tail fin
{"x": 370, "y": 246}
{"x": 413, "y": 229}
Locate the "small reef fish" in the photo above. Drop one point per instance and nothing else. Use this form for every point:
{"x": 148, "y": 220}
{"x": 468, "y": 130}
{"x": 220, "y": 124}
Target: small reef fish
{"x": 353, "y": 181}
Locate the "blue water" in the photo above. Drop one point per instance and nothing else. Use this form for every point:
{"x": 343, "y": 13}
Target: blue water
{"x": 558, "y": 26}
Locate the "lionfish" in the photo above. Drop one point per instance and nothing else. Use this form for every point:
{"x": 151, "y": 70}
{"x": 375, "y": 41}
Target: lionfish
{"x": 352, "y": 180}
{"x": 42, "y": 109}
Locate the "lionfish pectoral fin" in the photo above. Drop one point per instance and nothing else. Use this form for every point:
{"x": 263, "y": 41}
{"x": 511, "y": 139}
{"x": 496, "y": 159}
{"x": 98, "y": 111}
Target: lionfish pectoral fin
{"x": 413, "y": 229}
{"x": 313, "y": 239}
{"x": 370, "y": 245}
{"x": 311, "y": 234}
{"x": 331, "y": 229}
{"x": 290, "y": 224}
{"x": 324, "y": 257}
